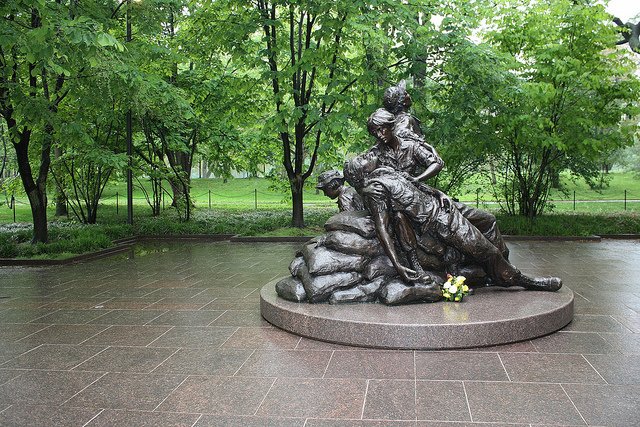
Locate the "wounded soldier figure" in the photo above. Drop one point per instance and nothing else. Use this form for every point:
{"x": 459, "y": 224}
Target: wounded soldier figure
{"x": 386, "y": 193}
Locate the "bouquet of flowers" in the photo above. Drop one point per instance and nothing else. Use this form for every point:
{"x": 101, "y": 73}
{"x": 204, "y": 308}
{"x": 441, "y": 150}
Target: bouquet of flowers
{"x": 454, "y": 288}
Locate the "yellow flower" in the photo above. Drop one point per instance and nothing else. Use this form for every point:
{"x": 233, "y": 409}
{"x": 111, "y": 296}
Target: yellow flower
{"x": 447, "y": 295}
{"x": 458, "y": 299}
{"x": 465, "y": 288}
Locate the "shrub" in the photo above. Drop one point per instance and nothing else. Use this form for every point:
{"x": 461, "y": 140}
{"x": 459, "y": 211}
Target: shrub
{"x": 69, "y": 238}
{"x": 248, "y": 223}
{"x": 64, "y": 238}
{"x": 570, "y": 224}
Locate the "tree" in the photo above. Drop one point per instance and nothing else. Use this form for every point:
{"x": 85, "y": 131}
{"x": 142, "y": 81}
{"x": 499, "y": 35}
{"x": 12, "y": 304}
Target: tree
{"x": 182, "y": 91}
{"x": 45, "y": 45}
{"x": 462, "y": 97}
{"x": 566, "y": 106}
{"x": 170, "y": 133}
{"x": 322, "y": 61}
{"x": 91, "y": 145}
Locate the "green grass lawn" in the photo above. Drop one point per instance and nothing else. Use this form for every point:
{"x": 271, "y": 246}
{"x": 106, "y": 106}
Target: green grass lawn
{"x": 618, "y": 182}
{"x": 236, "y": 193}
{"x": 251, "y": 207}
{"x": 249, "y": 193}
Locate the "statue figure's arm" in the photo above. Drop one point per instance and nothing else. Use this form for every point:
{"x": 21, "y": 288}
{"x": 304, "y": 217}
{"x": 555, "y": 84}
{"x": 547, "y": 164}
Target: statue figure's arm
{"x": 349, "y": 200}
{"x": 427, "y": 156}
{"x": 382, "y": 220}
{"x": 429, "y": 172}
{"x": 443, "y": 199}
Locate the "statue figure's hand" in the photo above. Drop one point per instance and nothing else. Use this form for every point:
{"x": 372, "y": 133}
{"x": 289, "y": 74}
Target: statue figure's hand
{"x": 408, "y": 177}
{"x": 407, "y": 274}
{"x": 376, "y": 191}
{"x": 445, "y": 201}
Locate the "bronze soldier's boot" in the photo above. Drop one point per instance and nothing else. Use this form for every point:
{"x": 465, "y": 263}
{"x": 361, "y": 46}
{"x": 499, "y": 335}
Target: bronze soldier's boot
{"x": 428, "y": 290}
{"x": 551, "y": 284}
{"x": 412, "y": 257}
{"x": 427, "y": 278}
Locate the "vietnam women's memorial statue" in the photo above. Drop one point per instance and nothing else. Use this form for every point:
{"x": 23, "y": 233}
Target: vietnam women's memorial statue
{"x": 395, "y": 241}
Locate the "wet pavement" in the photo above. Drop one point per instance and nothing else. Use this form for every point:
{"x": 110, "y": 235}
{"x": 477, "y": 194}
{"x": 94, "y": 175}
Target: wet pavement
{"x": 174, "y": 337}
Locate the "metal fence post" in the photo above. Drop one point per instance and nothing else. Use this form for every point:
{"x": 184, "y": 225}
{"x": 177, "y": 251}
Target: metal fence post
{"x": 209, "y": 199}
{"x": 117, "y": 203}
{"x": 625, "y": 200}
{"x": 477, "y": 197}
{"x": 13, "y": 206}
{"x": 574, "y": 200}
{"x": 255, "y": 198}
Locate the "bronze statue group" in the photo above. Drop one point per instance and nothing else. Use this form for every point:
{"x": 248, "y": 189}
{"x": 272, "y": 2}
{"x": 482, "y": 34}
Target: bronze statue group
{"x": 405, "y": 235}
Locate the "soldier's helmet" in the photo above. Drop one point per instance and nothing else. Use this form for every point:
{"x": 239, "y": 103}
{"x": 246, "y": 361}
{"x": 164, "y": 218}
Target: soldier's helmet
{"x": 326, "y": 178}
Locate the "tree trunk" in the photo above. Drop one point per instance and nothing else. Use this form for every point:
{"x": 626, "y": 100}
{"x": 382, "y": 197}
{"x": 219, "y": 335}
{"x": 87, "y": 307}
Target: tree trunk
{"x": 61, "y": 203}
{"x": 555, "y": 179}
{"x": 61, "y": 200}
{"x": 156, "y": 186}
{"x": 38, "y": 201}
{"x": 36, "y": 192}
{"x": 297, "y": 219}
{"x": 206, "y": 173}
{"x": 176, "y": 189}
{"x": 92, "y": 214}
{"x": 180, "y": 164}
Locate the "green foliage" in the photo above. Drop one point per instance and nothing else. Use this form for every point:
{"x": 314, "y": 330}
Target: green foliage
{"x": 566, "y": 107}
{"x": 66, "y": 239}
{"x": 171, "y": 129}
{"x": 69, "y": 239}
{"x": 463, "y": 98}
{"x": 46, "y": 49}
{"x": 570, "y": 224}
{"x": 89, "y": 149}
{"x": 246, "y": 223}
{"x": 317, "y": 69}
{"x": 629, "y": 158}
{"x": 289, "y": 84}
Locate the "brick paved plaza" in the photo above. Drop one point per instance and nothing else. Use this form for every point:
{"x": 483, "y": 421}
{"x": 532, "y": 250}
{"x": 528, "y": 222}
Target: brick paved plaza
{"x": 174, "y": 337}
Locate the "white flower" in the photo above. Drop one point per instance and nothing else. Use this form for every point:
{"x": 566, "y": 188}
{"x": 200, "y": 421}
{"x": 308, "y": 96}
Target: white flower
{"x": 453, "y": 289}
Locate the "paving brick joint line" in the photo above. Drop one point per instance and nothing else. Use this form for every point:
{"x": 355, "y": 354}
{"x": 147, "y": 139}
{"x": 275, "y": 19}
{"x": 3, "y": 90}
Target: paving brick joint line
{"x": 175, "y": 337}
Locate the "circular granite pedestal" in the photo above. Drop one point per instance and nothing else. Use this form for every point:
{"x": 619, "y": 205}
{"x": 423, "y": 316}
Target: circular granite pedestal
{"x": 489, "y": 317}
